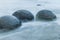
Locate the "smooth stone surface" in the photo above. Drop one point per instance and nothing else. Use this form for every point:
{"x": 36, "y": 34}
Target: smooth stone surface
{"x": 24, "y": 15}
{"x": 45, "y": 15}
{"x": 9, "y": 23}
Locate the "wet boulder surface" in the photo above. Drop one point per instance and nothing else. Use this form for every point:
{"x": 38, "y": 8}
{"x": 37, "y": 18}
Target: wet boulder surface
{"x": 45, "y": 15}
{"x": 24, "y": 15}
{"x": 9, "y": 23}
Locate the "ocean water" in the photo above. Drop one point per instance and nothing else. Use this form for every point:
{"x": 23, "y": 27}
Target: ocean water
{"x": 33, "y": 30}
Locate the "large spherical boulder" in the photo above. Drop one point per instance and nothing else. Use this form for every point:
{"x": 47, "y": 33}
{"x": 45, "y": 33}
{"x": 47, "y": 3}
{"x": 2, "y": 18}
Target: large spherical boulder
{"x": 9, "y": 23}
{"x": 45, "y": 15}
{"x": 23, "y": 15}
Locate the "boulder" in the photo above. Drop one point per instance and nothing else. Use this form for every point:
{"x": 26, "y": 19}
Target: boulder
{"x": 45, "y": 15}
{"x": 9, "y": 23}
{"x": 23, "y": 15}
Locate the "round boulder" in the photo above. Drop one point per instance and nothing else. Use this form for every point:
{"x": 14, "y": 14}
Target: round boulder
{"x": 45, "y": 15}
{"x": 9, "y": 23}
{"x": 23, "y": 15}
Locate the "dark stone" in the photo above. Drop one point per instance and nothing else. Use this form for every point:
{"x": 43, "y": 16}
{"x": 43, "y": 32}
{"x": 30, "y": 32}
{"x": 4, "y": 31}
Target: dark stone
{"x": 9, "y": 23}
{"x": 45, "y": 15}
{"x": 38, "y": 4}
{"x": 23, "y": 15}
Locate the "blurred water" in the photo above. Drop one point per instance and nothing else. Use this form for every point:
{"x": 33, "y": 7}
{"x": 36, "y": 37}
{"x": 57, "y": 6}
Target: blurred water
{"x": 35, "y": 30}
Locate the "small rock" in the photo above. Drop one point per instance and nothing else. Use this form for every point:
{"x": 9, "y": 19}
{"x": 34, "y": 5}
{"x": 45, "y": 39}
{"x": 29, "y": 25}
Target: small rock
{"x": 45, "y": 15}
{"x": 9, "y": 23}
{"x": 38, "y": 4}
{"x": 23, "y": 15}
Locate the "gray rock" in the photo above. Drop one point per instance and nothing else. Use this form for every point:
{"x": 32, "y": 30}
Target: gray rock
{"x": 46, "y": 15}
{"x": 9, "y": 23}
{"x": 38, "y": 4}
{"x": 23, "y": 15}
